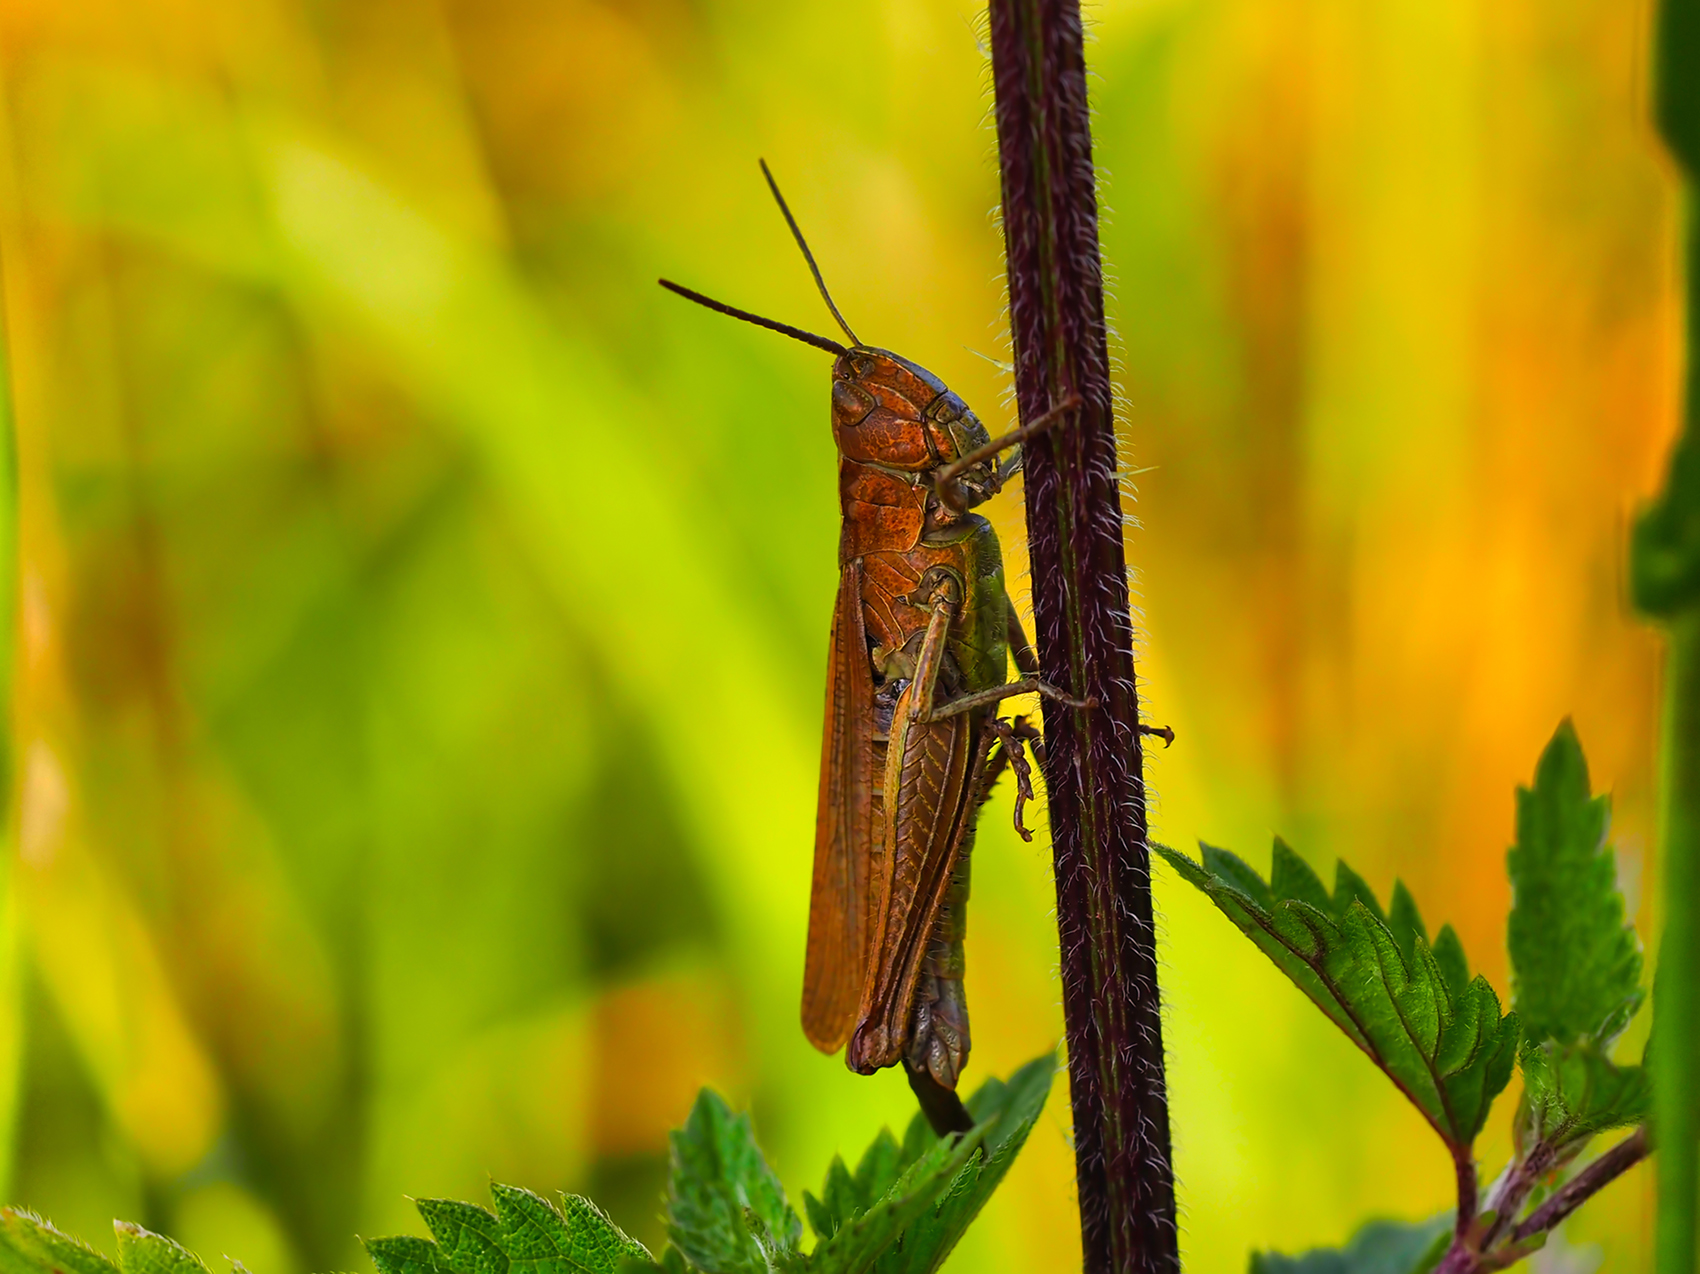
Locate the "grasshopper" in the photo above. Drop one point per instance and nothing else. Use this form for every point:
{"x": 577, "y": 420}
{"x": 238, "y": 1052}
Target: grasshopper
{"x": 922, "y": 635}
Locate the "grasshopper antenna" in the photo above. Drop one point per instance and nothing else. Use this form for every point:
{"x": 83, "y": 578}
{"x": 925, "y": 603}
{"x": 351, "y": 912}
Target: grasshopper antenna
{"x": 784, "y": 329}
{"x": 808, "y": 256}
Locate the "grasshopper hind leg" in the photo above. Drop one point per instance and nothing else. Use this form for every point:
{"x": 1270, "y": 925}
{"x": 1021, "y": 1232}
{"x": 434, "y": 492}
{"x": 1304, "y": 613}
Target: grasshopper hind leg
{"x": 939, "y": 1037}
{"x": 939, "y": 1040}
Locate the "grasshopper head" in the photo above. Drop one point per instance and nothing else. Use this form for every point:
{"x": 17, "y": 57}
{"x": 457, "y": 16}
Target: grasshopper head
{"x": 889, "y": 412}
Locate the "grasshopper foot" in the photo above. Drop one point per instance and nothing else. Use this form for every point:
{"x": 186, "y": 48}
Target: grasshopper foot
{"x": 1016, "y": 736}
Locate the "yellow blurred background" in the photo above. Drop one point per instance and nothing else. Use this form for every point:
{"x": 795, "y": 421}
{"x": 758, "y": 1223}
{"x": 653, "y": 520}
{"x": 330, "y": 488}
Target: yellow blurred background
{"x": 423, "y": 615}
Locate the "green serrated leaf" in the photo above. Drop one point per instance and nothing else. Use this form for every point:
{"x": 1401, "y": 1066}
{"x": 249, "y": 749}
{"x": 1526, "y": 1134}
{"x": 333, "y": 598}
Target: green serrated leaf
{"x": 671, "y": 1262}
{"x": 906, "y": 1207}
{"x": 840, "y": 1200}
{"x": 1573, "y": 1091}
{"x": 1349, "y": 887}
{"x": 1411, "y": 1008}
{"x": 822, "y": 1220}
{"x": 918, "y": 1139}
{"x": 1006, "y": 1111}
{"x": 1406, "y": 922}
{"x": 878, "y": 1168}
{"x": 1240, "y": 874}
{"x": 32, "y": 1246}
{"x": 1381, "y": 1247}
{"x": 859, "y": 1245}
{"x": 576, "y": 1238}
{"x": 404, "y": 1255}
{"x": 725, "y": 1209}
{"x": 1575, "y": 962}
{"x": 526, "y": 1235}
{"x": 468, "y": 1237}
{"x": 144, "y": 1252}
{"x": 1449, "y": 959}
{"x": 1291, "y": 877}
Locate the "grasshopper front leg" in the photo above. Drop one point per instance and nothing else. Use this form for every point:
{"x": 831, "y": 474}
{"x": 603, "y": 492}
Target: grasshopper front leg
{"x": 997, "y": 694}
{"x": 944, "y": 482}
{"x": 1027, "y": 660}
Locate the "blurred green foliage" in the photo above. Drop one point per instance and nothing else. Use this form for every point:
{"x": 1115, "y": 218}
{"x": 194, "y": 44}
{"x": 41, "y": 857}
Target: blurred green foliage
{"x": 902, "y": 1212}
{"x": 421, "y": 615}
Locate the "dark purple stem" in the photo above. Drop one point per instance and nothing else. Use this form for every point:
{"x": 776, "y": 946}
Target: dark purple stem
{"x": 1094, "y": 767}
{"x": 1514, "y": 1187}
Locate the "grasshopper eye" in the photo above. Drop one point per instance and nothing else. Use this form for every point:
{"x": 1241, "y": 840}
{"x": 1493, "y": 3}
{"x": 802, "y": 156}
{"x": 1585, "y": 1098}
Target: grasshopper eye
{"x": 850, "y": 402}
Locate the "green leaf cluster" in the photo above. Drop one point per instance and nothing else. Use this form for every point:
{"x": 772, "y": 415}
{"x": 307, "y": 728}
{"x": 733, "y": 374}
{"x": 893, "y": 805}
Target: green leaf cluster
{"x": 1409, "y": 1004}
{"x": 726, "y": 1210}
{"x": 901, "y": 1211}
{"x": 526, "y": 1234}
{"x": 1412, "y": 1006}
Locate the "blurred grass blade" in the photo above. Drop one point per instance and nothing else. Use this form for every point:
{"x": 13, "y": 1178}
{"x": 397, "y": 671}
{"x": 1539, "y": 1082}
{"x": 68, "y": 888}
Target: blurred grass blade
{"x": 1665, "y": 579}
{"x": 11, "y": 1008}
{"x": 573, "y": 446}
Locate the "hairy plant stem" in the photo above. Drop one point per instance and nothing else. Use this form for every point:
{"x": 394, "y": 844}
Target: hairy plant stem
{"x": 1665, "y": 578}
{"x": 1094, "y": 767}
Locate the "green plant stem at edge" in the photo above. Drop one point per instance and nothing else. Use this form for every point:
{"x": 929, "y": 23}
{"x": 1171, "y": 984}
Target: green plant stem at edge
{"x": 1665, "y": 581}
{"x": 1677, "y": 1004}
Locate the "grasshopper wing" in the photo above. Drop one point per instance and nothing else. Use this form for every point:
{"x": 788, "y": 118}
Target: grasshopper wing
{"x": 837, "y": 959}
{"x": 930, "y": 802}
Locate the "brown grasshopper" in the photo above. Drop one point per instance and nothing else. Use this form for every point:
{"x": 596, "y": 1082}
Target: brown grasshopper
{"x": 922, "y": 634}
